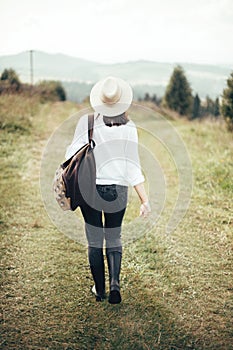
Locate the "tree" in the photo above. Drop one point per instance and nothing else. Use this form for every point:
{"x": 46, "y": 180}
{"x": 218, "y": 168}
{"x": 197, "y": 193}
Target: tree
{"x": 196, "y": 107}
{"x": 216, "y": 107}
{"x": 178, "y": 95}
{"x": 10, "y": 76}
{"x": 60, "y": 91}
{"x": 155, "y": 99}
{"x": 147, "y": 97}
{"x": 210, "y": 105}
{"x": 227, "y": 103}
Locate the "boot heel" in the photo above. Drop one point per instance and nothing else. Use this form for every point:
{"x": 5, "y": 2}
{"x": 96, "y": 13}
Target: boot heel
{"x": 114, "y": 297}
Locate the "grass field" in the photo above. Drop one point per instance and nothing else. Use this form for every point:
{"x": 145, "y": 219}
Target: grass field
{"x": 176, "y": 289}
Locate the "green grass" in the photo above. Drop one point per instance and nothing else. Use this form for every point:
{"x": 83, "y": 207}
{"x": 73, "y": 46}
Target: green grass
{"x": 176, "y": 289}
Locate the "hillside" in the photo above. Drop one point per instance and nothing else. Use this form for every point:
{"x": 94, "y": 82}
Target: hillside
{"x": 79, "y": 75}
{"x": 176, "y": 288}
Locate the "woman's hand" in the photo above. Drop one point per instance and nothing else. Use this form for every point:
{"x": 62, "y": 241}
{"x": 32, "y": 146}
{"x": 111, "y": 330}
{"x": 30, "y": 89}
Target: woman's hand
{"x": 145, "y": 209}
{"x": 145, "y": 206}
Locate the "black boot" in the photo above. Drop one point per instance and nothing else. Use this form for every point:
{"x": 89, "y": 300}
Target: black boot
{"x": 114, "y": 267}
{"x": 96, "y": 260}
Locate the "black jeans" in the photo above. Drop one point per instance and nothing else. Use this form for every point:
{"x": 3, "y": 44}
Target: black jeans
{"x": 104, "y": 220}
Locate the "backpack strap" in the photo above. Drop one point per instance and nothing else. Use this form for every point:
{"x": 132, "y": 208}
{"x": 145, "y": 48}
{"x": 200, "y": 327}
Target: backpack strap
{"x": 90, "y": 129}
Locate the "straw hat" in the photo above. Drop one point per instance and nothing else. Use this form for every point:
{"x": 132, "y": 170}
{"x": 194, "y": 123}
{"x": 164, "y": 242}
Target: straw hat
{"x": 111, "y": 96}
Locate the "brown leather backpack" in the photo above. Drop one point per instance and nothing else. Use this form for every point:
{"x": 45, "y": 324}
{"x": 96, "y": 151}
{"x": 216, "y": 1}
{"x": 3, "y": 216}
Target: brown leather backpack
{"x": 75, "y": 179}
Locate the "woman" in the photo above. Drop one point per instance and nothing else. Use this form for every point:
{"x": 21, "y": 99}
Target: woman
{"x": 117, "y": 167}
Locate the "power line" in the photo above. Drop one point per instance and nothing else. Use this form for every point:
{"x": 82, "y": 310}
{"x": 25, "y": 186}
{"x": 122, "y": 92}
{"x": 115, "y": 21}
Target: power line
{"x": 31, "y": 66}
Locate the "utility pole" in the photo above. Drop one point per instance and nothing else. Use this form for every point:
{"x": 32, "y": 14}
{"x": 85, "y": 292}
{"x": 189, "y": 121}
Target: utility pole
{"x": 31, "y": 65}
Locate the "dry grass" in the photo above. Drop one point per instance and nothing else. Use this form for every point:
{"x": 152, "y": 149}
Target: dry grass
{"x": 176, "y": 289}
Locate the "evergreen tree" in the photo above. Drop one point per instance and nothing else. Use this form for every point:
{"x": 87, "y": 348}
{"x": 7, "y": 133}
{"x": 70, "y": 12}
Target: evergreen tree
{"x": 209, "y": 106}
{"x": 196, "y": 107}
{"x": 155, "y": 99}
{"x": 178, "y": 95}
{"x": 147, "y": 97}
{"x": 216, "y": 107}
{"x": 227, "y": 103}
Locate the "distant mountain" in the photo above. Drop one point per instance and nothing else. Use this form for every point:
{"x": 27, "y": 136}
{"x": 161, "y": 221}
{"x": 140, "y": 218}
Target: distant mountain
{"x": 79, "y": 75}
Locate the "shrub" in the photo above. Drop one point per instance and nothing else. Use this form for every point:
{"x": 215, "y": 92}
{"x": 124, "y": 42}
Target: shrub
{"x": 50, "y": 90}
{"x": 9, "y": 81}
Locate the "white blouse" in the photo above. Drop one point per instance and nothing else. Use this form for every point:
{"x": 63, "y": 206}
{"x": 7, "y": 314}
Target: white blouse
{"x": 116, "y": 151}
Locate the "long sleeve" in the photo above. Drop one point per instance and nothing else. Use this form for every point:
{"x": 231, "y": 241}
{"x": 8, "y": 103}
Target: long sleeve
{"x": 80, "y": 137}
{"x": 133, "y": 168}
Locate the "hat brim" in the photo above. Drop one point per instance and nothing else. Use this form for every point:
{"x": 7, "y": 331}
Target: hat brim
{"x": 111, "y": 110}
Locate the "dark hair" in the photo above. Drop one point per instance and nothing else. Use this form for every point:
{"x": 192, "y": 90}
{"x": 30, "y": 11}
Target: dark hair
{"x": 118, "y": 120}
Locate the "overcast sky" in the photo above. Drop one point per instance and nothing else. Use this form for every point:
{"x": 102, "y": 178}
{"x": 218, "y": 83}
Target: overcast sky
{"x": 199, "y": 31}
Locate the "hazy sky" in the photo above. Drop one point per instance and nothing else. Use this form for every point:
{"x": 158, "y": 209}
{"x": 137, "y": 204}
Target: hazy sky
{"x": 198, "y": 31}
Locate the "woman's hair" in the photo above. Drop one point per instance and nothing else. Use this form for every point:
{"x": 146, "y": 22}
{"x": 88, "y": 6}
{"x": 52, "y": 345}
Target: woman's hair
{"x": 118, "y": 120}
